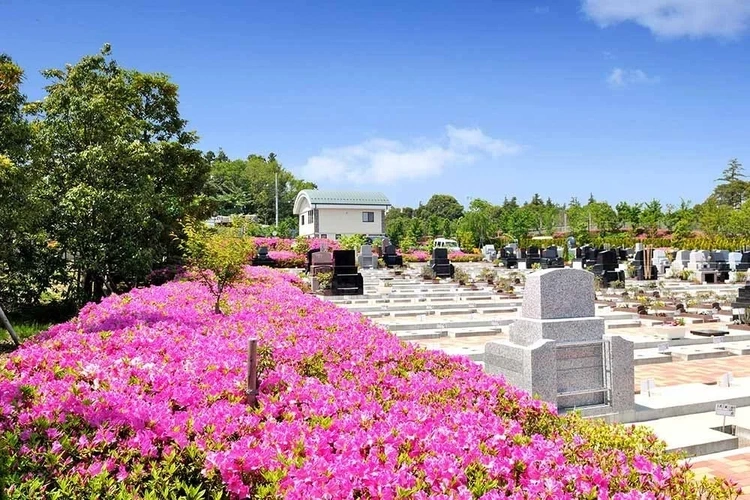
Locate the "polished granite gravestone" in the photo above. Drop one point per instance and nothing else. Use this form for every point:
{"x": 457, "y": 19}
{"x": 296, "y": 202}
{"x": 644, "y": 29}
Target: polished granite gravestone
{"x": 508, "y": 257}
{"x": 390, "y": 257}
{"x": 644, "y": 271}
{"x": 346, "y": 279}
{"x": 551, "y": 259}
{"x": 606, "y": 268}
{"x": 558, "y": 351}
{"x": 440, "y": 264}
{"x": 262, "y": 259}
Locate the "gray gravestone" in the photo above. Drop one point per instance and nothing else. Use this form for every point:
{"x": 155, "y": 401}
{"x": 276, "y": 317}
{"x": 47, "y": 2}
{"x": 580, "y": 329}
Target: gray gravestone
{"x": 557, "y": 348}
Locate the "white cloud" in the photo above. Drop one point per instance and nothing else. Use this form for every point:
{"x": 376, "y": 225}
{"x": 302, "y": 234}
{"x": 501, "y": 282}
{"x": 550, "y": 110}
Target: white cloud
{"x": 384, "y": 161}
{"x": 674, "y": 18}
{"x": 623, "y": 77}
{"x": 541, "y": 9}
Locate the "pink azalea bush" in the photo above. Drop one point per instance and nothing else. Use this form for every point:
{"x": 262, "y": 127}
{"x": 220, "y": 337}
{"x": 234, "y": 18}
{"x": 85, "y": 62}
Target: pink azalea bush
{"x": 289, "y": 253}
{"x": 143, "y": 396}
{"x": 287, "y": 258}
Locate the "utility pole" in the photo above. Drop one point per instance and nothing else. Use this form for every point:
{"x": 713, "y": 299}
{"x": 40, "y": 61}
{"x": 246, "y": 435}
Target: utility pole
{"x": 277, "y": 197}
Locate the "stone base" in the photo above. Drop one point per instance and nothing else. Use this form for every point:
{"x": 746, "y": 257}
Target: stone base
{"x": 569, "y": 376}
{"x": 526, "y": 331}
{"x": 531, "y": 368}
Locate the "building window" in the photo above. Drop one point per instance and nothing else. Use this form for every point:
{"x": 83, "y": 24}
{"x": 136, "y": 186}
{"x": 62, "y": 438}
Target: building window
{"x": 302, "y": 220}
{"x": 310, "y": 217}
{"x": 368, "y": 216}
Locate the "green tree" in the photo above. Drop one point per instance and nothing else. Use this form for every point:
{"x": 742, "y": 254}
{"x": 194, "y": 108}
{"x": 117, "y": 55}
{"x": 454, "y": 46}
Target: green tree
{"x": 578, "y": 221}
{"x": 733, "y": 190}
{"x": 477, "y": 224}
{"x": 651, "y": 217}
{"x": 739, "y": 221}
{"x": 116, "y": 169}
{"x": 28, "y": 260}
{"x": 604, "y": 217}
{"x": 249, "y": 187}
{"x": 629, "y": 215}
{"x": 713, "y": 218}
{"x": 443, "y": 206}
{"x": 217, "y": 259}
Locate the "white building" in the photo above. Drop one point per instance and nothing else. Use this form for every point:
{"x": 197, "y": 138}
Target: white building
{"x": 332, "y": 214}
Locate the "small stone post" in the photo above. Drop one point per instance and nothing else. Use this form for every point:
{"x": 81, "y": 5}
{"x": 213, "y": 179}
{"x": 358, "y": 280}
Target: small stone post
{"x": 252, "y": 372}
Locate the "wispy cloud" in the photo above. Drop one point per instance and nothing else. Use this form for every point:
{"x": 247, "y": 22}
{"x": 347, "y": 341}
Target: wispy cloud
{"x": 674, "y": 18}
{"x": 620, "y": 77}
{"x": 383, "y": 161}
{"x": 541, "y": 9}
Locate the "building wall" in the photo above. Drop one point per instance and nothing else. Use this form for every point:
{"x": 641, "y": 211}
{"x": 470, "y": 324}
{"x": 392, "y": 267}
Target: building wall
{"x": 308, "y": 228}
{"x": 343, "y": 221}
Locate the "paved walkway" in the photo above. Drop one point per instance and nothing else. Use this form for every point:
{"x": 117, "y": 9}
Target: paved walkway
{"x": 705, "y": 371}
{"x": 733, "y": 465}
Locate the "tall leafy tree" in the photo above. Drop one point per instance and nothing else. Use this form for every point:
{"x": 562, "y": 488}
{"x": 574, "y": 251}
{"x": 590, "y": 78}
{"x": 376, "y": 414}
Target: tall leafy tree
{"x": 119, "y": 170}
{"x": 733, "y": 190}
{"x": 249, "y": 187}
{"x": 651, "y": 216}
{"x": 629, "y": 215}
{"x": 27, "y": 260}
{"x": 713, "y": 218}
{"x": 444, "y": 206}
{"x": 604, "y": 217}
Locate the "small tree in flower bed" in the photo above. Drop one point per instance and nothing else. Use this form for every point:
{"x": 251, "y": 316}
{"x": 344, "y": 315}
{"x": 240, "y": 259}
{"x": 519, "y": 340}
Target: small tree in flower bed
{"x": 142, "y": 396}
{"x": 217, "y": 260}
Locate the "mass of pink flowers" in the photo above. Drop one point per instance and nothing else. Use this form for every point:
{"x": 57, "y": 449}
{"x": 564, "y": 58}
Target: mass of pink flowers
{"x": 345, "y": 410}
{"x": 288, "y": 244}
{"x": 289, "y": 253}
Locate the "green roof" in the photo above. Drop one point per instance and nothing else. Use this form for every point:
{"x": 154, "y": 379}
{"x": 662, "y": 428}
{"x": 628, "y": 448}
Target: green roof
{"x": 345, "y": 197}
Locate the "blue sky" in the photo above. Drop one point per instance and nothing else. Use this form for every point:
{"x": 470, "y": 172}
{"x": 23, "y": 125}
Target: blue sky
{"x": 629, "y": 100}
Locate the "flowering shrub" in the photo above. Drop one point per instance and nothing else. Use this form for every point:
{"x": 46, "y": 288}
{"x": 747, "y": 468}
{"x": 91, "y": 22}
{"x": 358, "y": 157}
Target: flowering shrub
{"x": 292, "y": 253}
{"x": 286, "y": 258}
{"x": 465, "y": 257}
{"x": 142, "y": 396}
{"x": 416, "y": 256}
{"x": 290, "y": 244}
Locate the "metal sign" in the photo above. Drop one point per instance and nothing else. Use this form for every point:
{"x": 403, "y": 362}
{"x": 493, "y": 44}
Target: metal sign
{"x": 647, "y": 386}
{"x": 725, "y": 410}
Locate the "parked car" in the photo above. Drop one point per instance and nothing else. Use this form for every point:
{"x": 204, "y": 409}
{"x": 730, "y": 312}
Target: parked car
{"x": 451, "y": 245}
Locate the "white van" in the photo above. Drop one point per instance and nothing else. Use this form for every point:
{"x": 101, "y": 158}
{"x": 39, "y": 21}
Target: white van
{"x": 451, "y": 245}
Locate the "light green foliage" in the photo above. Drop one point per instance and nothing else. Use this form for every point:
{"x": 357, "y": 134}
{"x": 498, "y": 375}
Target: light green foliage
{"x": 713, "y": 218}
{"x": 604, "y": 217}
{"x": 651, "y": 217}
{"x": 116, "y": 169}
{"x": 351, "y": 241}
{"x": 478, "y": 225}
{"x": 217, "y": 259}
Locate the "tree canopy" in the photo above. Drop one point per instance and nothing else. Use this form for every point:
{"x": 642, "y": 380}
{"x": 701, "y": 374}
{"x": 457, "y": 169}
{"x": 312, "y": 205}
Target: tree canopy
{"x": 116, "y": 170}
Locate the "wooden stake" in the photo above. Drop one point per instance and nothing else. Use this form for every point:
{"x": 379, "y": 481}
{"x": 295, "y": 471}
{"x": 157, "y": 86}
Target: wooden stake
{"x": 252, "y": 372}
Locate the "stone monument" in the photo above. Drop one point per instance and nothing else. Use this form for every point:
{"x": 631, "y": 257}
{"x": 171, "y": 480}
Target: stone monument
{"x": 557, "y": 348}
{"x": 367, "y": 259}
